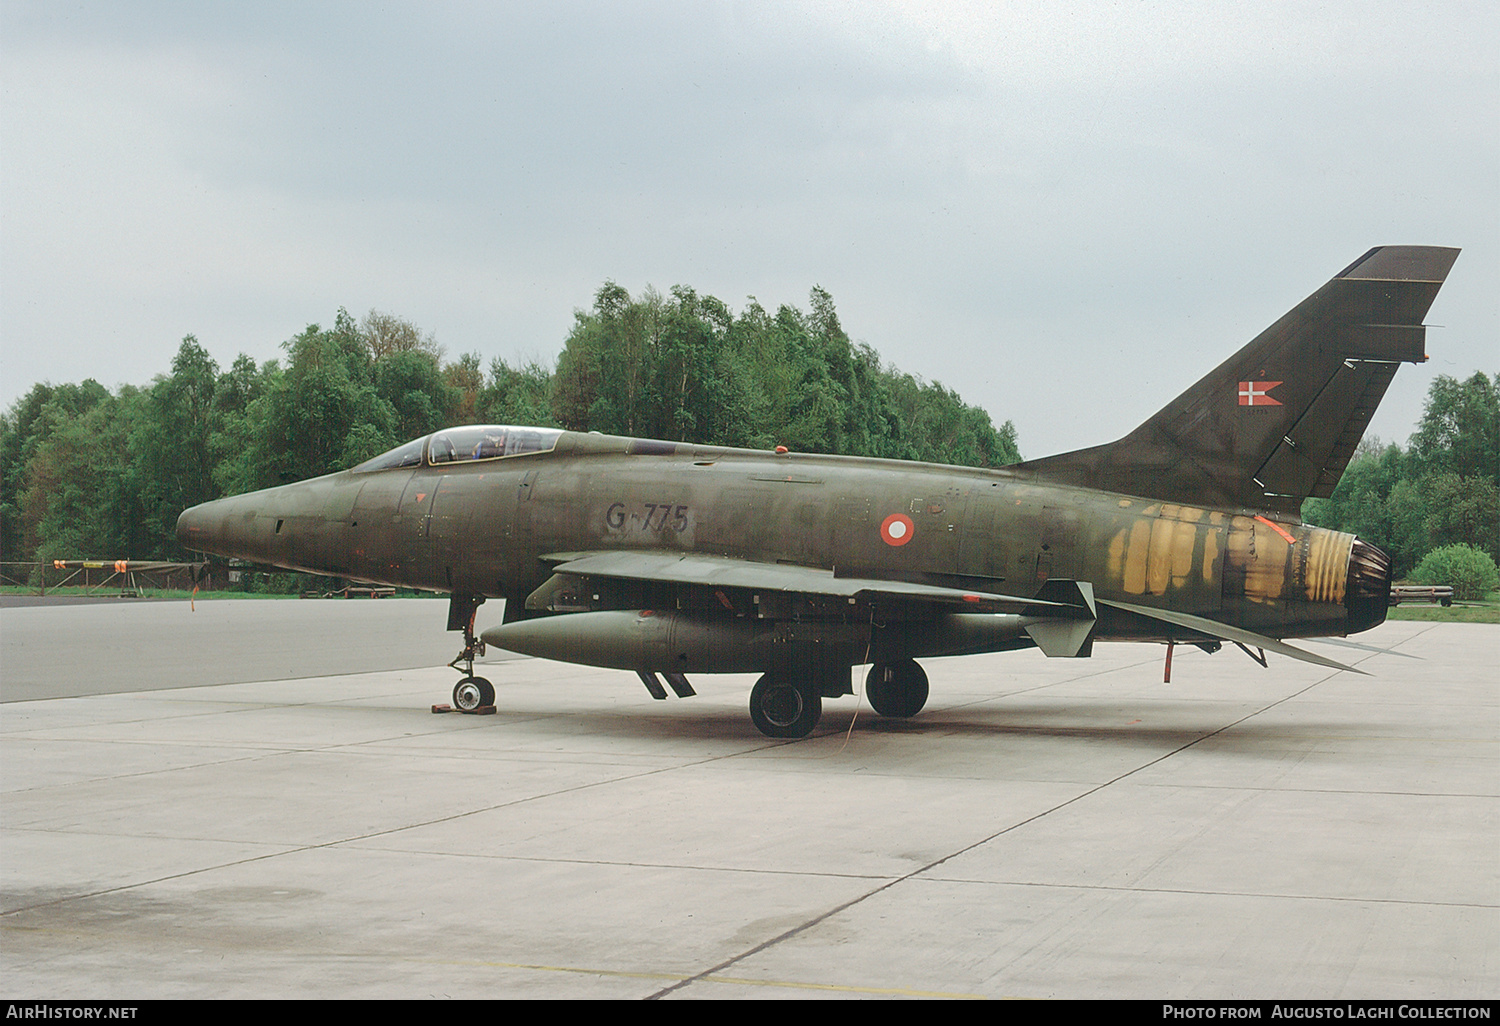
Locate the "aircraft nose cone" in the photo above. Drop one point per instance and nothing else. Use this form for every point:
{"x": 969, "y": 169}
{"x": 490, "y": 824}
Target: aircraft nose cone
{"x": 189, "y": 524}
{"x": 199, "y": 527}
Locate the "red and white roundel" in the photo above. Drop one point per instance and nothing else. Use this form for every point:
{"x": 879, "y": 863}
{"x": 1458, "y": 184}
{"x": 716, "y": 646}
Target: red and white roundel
{"x": 897, "y": 529}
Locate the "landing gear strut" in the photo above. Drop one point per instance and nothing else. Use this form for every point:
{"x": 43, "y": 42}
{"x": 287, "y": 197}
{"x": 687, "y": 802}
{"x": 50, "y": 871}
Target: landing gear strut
{"x": 471, "y": 693}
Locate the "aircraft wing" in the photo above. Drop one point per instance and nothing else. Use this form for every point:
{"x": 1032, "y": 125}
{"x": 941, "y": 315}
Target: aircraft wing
{"x": 727, "y": 572}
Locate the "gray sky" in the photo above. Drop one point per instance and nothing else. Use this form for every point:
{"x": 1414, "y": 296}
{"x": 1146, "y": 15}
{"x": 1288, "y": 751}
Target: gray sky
{"x": 1066, "y": 212}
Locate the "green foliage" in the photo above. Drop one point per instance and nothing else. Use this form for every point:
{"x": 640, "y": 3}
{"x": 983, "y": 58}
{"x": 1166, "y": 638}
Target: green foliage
{"x": 466, "y": 378}
{"x": 283, "y": 584}
{"x": 84, "y": 473}
{"x": 1460, "y": 429}
{"x": 87, "y": 474}
{"x": 1463, "y": 510}
{"x": 686, "y": 368}
{"x": 77, "y": 476}
{"x": 1444, "y": 489}
{"x": 417, "y": 392}
{"x": 171, "y": 440}
{"x": 322, "y": 408}
{"x": 517, "y": 396}
{"x": 1472, "y": 573}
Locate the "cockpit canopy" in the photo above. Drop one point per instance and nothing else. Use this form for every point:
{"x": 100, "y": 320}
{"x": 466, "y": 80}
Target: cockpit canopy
{"x": 463, "y": 444}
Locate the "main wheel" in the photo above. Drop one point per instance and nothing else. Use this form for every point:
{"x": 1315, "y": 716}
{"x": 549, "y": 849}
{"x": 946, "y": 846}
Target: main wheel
{"x": 897, "y": 689}
{"x": 785, "y": 708}
{"x": 473, "y": 693}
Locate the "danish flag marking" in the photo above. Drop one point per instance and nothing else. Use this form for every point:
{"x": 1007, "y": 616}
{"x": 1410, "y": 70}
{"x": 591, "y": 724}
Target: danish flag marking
{"x": 1253, "y": 393}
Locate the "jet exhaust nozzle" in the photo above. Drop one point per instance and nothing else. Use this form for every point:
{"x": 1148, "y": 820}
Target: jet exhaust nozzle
{"x": 1367, "y": 593}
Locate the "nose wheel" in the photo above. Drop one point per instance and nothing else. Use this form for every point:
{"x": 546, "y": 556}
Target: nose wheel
{"x": 472, "y": 693}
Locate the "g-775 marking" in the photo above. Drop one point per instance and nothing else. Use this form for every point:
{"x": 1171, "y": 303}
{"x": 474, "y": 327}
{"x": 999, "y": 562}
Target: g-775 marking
{"x": 619, "y": 515}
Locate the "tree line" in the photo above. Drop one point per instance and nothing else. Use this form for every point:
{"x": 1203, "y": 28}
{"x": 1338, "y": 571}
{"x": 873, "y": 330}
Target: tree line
{"x": 89, "y": 473}
{"x": 1437, "y": 501}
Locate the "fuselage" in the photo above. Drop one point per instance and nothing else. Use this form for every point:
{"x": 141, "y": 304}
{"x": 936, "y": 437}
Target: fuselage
{"x": 455, "y": 516}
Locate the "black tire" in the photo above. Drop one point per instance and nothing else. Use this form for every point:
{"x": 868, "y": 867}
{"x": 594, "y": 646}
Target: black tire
{"x": 783, "y": 707}
{"x": 473, "y": 693}
{"x": 897, "y": 689}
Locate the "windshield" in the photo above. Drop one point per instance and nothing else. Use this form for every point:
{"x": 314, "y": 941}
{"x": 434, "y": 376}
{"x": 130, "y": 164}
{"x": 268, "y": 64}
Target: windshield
{"x": 408, "y": 455}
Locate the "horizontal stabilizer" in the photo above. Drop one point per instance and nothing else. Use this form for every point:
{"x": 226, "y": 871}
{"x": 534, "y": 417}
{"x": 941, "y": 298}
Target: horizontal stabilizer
{"x": 1214, "y": 629}
{"x": 1345, "y": 643}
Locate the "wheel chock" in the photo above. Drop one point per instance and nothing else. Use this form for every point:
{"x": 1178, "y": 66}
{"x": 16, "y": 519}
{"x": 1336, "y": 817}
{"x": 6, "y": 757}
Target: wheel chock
{"x": 483, "y": 710}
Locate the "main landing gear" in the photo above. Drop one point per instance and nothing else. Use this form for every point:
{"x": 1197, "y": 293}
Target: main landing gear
{"x": 786, "y": 706}
{"x": 898, "y": 689}
{"x": 471, "y": 693}
{"x": 789, "y": 705}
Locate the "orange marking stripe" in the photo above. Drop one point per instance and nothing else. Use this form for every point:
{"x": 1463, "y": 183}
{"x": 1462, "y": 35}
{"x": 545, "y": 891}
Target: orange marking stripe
{"x": 1278, "y": 529}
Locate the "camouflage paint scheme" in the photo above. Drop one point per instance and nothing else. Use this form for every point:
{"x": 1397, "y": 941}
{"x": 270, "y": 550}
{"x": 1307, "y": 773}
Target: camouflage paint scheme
{"x": 672, "y": 558}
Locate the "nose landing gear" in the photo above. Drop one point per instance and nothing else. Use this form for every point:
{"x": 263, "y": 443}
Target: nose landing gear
{"x": 471, "y": 694}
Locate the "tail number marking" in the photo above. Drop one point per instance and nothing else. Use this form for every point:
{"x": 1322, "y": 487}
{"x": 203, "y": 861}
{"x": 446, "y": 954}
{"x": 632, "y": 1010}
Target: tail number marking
{"x": 646, "y": 516}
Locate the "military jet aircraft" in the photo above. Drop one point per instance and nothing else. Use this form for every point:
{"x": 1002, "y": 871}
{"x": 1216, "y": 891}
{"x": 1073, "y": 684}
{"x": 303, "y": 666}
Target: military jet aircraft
{"x": 672, "y": 558}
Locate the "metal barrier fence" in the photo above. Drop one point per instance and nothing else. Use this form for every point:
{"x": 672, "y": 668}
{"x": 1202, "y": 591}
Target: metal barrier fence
{"x": 126, "y": 578}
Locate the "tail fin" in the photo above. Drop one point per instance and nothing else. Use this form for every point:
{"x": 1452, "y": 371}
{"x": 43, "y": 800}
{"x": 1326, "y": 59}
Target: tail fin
{"x": 1279, "y": 420}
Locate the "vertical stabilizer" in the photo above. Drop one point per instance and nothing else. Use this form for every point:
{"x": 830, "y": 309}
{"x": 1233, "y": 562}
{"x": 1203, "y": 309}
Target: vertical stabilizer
{"x": 1279, "y": 420}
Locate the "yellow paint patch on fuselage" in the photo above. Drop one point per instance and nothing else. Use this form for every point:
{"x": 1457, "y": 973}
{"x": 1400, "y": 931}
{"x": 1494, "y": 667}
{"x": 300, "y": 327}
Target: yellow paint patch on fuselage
{"x": 1160, "y": 551}
{"x": 1210, "y": 551}
{"x": 1115, "y": 560}
{"x": 1136, "y": 553}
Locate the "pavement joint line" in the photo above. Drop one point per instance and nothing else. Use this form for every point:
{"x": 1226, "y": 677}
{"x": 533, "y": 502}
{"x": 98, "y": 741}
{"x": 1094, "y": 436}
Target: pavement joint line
{"x": 251, "y": 755}
{"x": 530, "y": 798}
{"x": 553, "y": 861}
{"x": 983, "y": 699}
{"x": 297, "y": 849}
{"x": 803, "y": 927}
{"x": 1203, "y": 892}
{"x": 1159, "y": 741}
{"x": 223, "y": 684}
{"x": 749, "y": 871}
{"x": 816, "y": 920}
{"x": 1325, "y": 790}
{"x": 650, "y": 772}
